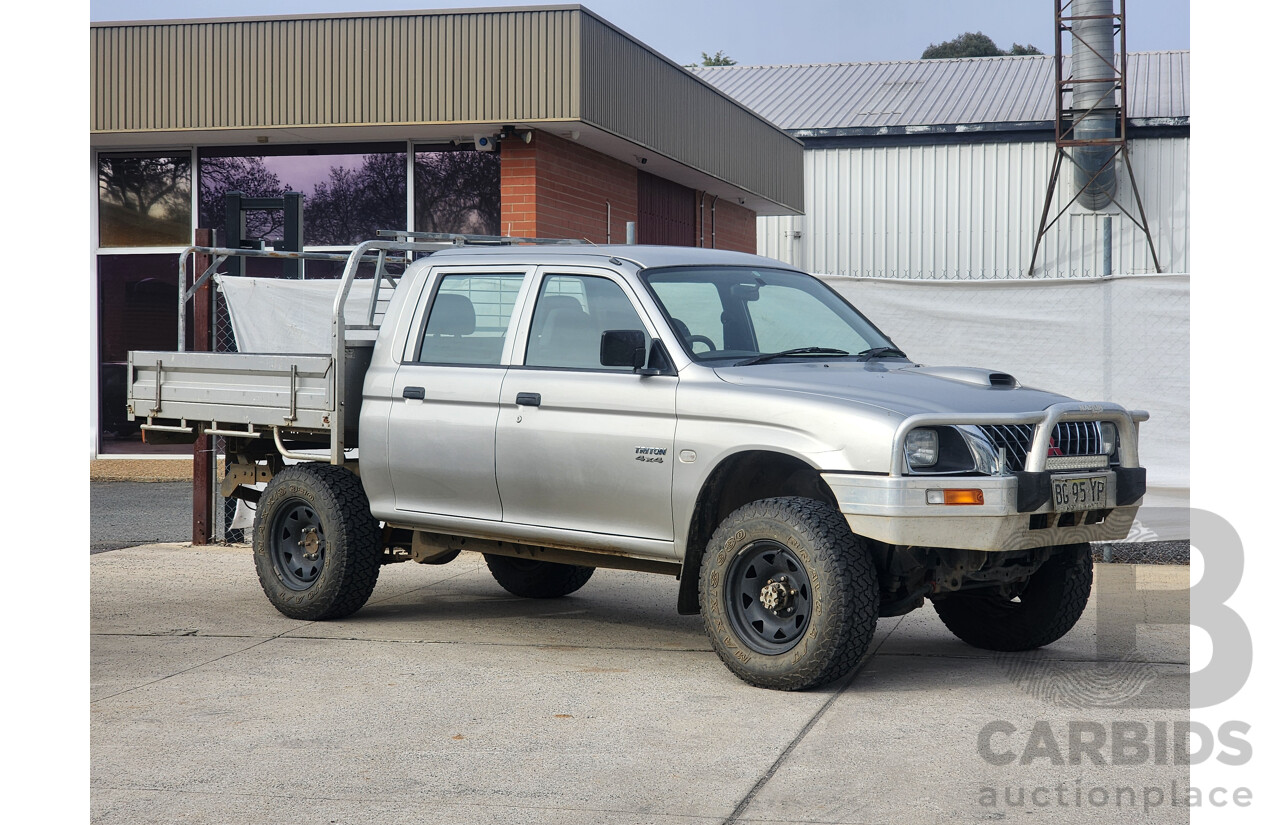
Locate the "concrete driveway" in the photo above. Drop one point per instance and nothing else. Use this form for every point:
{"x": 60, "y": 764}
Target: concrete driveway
{"x": 445, "y": 699}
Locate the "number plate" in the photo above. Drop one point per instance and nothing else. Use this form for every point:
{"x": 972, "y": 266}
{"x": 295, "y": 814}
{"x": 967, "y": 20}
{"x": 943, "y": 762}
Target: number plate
{"x": 1079, "y": 493}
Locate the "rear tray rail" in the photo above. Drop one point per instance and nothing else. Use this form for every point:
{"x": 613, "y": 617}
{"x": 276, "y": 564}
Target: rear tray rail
{"x": 250, "y": 395}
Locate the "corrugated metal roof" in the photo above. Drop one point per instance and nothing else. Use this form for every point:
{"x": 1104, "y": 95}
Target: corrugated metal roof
{"x": 956, "y": 92}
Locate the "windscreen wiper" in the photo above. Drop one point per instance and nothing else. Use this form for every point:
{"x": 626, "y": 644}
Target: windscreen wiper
{"x": 769, "y": 356}
{"x": 881, "y": 352}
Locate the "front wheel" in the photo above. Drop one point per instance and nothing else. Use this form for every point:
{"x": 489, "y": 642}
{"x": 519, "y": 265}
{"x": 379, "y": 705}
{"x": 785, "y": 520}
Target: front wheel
{"x": 789, "y": 595}
{"x": 315, "y": 543}
{"x": 1048, "y": 605}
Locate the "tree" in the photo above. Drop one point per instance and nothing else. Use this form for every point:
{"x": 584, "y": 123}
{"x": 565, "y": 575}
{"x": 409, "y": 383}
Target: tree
{"x": 717, "y": 59}
{"x": 332, "y": 211}
{"x": 146, "y": 185}
{"x": 144, "y": 200}
{"x": 353, "y": 204}
{"x": 249, "y": 175}
{"x": 973, "y": 44}
{"x": 457, "y": 192}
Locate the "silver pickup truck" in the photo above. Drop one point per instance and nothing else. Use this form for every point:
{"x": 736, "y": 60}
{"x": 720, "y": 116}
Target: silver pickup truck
{"x": 718, "y": 417}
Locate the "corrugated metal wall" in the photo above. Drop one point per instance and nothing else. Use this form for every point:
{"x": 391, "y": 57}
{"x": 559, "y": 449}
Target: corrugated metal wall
{"x": 633, "y": 92}
{"x": 972, "y": 211}
{"x": 427, "y": 68}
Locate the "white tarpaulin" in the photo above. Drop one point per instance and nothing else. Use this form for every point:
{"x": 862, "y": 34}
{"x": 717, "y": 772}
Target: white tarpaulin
{"x": 286, "y": 315}
{"x": 1124, "y": 339}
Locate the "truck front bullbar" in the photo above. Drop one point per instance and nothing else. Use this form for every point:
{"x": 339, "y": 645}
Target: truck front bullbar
{"x": 1004, "y": 511}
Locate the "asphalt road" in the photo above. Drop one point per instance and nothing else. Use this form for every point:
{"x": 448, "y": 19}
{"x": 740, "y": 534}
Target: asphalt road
{"x": 128, "y": 513}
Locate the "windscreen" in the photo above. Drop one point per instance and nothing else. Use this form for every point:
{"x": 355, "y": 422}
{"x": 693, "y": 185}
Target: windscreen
{"x": 739, "y": 313}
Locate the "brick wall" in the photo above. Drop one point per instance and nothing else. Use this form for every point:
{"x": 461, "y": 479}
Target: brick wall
{"x": 734, "y": 226}
{"x": 555, "y": 188}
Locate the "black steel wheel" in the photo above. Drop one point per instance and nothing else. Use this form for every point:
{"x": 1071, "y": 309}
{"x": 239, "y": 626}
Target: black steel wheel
{"x": 315, "y": 543}
{"x": 789, "y": 595}
{"x": 1043, "y": 610}
{"x": 768, "y": 597}
{"x": 534, "y": 579}
{"x": 296, "y": 544}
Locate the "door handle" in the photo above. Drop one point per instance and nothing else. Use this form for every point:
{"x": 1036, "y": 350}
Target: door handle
{"x": 528, "y": 399}
{"x": 415, "y": 392}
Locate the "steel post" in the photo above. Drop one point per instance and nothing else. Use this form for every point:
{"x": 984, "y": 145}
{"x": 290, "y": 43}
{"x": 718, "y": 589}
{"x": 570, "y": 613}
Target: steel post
{"x": 204, "y": 462}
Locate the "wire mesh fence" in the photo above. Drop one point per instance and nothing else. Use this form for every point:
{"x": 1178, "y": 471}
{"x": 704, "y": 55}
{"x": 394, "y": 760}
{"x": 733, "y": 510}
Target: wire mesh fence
{"x": 224, "y": 340}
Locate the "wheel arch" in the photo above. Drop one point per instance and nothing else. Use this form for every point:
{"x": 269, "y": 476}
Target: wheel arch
{"x": 746, "y": 476}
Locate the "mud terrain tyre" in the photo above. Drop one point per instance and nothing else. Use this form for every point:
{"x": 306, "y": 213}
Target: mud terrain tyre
{"x": 789, "y": 595}
{"x": 1048, "y": 607}
{"x": 532, "y": 579}
{"x": 315, "y": 543}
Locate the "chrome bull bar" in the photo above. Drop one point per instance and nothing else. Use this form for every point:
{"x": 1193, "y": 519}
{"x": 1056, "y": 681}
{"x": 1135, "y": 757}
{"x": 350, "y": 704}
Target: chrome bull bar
{"x": 1045, "y": 421}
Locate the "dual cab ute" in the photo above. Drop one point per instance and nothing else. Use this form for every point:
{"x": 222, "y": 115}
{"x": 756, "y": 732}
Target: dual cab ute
{"x": 717, "y": 417}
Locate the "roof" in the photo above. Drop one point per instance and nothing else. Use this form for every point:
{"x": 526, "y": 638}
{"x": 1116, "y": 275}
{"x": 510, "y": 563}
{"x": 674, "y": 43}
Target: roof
{"x": 986, "y": 92}
{"x": 433, "y": 76}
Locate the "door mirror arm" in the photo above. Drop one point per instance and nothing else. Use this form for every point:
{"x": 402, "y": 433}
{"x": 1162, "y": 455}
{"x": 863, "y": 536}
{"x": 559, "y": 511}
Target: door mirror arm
{"x": 659, "y": 362}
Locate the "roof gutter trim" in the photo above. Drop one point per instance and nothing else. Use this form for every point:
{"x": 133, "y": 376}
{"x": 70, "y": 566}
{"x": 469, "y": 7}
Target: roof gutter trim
{"x": 350, "y": 15}
{"x": 965, "y": 128}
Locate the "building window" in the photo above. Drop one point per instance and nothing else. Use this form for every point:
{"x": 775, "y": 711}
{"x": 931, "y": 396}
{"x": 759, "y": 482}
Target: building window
{"x": 456, "y": 191}
{"x": 144, "y": 200}
{"x": 137, "y": 310}
{"x": 347, "y": 195}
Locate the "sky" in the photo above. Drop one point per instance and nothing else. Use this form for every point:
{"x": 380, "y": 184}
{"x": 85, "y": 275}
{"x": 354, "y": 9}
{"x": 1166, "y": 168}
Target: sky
{"x": 757, "y": 32}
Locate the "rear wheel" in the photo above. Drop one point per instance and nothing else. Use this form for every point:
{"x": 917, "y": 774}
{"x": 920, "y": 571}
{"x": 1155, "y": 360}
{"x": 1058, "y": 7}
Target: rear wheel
{"x": 789, "y": 595}
{"x": 315, "y": 543}
{"x": 1048, "y": 605}
{"x": 533, "y": 579}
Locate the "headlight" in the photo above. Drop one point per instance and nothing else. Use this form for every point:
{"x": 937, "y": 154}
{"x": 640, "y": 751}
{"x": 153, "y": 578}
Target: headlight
{"x": 1108, "y": 437}
{"x": 922, "y": 448}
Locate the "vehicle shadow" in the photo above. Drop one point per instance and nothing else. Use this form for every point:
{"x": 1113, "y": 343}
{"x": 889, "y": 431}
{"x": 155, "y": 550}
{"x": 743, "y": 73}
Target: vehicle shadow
{"x": 634, "y": 610}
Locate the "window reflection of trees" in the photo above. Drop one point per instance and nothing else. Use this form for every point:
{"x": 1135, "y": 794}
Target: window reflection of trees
{"x": 453, "y": 192}
{"x": 457, "y": 192}
{"x": 144, "y": 200}
{"x": 248, "y": 175}
{"x": 354, "y": 203}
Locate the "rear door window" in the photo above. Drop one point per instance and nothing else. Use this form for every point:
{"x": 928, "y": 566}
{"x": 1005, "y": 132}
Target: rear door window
{"x": 469, "y": 319}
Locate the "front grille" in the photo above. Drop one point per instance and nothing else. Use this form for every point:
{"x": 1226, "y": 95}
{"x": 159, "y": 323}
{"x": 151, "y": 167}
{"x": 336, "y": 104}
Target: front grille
{"x": 1070, "y": 438}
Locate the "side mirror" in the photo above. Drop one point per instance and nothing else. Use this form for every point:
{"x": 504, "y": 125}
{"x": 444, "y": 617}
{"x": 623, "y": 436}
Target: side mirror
{"x": 623, "y": 348}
